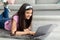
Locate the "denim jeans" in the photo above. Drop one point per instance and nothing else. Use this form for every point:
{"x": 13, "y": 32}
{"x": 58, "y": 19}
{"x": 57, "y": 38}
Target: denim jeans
{"x": 4, "y": 17}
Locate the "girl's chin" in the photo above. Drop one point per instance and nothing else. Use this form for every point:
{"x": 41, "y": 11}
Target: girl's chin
{"x": 27, "y": 18}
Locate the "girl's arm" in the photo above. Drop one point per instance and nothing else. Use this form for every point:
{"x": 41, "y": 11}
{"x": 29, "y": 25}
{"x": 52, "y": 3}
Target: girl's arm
{"x": 14, "y": 30}
{"x": 30, "y": 27}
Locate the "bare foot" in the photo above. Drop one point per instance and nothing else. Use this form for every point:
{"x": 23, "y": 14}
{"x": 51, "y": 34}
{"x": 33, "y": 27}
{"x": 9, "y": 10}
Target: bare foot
{"x": 1, "y": 3}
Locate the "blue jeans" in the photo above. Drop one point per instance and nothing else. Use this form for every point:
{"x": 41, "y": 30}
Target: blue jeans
{"x": 4, "y": 17}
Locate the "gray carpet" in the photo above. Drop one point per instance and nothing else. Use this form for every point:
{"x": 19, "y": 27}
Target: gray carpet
{"x": 6, "y": 34}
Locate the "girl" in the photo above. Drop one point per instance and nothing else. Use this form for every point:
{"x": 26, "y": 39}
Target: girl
{"x": 20, "y": 24}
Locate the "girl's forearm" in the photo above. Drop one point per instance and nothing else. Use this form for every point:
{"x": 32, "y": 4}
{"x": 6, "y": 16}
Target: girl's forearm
{"x": 20, "y": 33}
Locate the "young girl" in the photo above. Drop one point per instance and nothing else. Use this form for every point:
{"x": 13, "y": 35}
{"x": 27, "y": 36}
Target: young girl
{"x": 20, "y": 24}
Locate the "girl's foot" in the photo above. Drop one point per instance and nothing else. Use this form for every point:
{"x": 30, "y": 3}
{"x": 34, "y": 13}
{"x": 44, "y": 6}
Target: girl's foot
{"x": 6, "y": 3}
{"x": 6, "y": 6}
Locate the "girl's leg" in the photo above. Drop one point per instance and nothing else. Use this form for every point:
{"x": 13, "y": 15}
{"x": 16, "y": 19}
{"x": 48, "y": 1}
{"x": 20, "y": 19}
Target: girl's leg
{"x": 4, "y": 17}
{"x": 3, "y": 21}
{"x": 1, "y": 18}
{"x": 6, "y": 9}
{"x": 6, "y": 13}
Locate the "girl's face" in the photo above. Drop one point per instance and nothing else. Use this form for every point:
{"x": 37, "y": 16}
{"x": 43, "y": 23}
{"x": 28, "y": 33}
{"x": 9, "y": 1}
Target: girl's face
{"x": 28, "y": 14}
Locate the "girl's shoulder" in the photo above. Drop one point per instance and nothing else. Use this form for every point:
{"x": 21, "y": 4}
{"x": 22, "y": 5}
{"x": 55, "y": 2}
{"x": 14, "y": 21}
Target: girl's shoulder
{"x": 15, "y": 17}
{"x": 7, "y": 24}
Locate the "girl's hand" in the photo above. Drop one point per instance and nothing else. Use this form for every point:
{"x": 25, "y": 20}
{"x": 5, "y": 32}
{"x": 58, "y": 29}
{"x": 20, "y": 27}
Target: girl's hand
{"x": 29, "y": 32}
{"x": 26, "y": 30}
{"x": 32, "y": 33}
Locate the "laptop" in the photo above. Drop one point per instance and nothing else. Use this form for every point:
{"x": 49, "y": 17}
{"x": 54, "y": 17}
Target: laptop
{"x": 43, "y": 30}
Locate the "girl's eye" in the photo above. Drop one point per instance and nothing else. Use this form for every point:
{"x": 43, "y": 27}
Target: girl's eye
{"x": 27, "y": 12}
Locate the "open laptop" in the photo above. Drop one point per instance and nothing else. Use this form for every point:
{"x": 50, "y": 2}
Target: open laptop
{"x": 43, "y": 30}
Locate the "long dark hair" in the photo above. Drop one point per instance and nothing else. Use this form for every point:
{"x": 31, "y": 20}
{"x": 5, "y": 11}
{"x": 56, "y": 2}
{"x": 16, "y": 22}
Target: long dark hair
{"x": 22, "y": 22}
